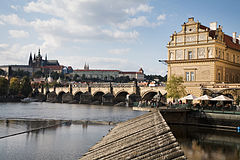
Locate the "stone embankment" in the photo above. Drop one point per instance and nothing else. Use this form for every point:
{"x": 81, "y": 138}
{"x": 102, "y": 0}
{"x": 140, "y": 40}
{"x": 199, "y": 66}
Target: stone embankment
{"x": 145, "y": 137}
{"x": 10, "y": 98}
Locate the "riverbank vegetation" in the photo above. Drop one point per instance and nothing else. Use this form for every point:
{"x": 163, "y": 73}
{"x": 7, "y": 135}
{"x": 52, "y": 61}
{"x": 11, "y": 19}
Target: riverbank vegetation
{"x": 15, "y": 87}
{"x": 175, "y": 88}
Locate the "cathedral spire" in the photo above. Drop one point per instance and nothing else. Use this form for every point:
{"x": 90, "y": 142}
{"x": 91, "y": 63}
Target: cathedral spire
{"x": 30, "y": 59}
{"x": 39, "y": 54}
{"x": 86, "y": 66}
{"x": 46, "y": 57}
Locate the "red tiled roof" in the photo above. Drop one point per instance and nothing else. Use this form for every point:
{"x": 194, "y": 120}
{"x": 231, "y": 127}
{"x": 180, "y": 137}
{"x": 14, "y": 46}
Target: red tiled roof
{"x": 227, "y": 39}
{"x": 204, "y": 27}
{"x": 53, "y": 67}
{"x": 229, "y": 42}
{"x": 100, "y": 70}
{"x": 130, "y": 73}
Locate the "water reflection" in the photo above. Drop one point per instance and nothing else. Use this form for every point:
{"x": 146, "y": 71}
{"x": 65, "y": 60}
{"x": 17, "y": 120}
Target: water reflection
{"x": 59, "y": 111}
{"x": 62, "y": 142}
{"x": 207, "y": 144}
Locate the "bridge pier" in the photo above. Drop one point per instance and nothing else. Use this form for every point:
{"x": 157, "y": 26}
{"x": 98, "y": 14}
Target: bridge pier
{"x": 86, "y": 98}
{"x": 67, "y": 98}
{"x": 108, "y": 99}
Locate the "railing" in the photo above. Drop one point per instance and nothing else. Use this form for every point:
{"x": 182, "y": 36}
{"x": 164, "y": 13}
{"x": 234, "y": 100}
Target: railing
{"x": 213, "y": 109}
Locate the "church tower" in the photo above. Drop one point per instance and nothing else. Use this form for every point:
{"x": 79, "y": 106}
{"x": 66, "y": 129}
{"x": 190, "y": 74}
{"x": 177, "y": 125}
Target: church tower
{"x": 30, "y": 61}
{"x": 86, "y": 67}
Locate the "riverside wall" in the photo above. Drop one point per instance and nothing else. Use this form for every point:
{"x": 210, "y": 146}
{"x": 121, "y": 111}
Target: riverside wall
{"x": 201, "y": 118}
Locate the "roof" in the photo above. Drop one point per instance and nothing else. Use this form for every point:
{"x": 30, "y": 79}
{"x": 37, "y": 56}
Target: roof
{"x": 229, "y": 42}
{"x": 145, "y": 137}
{"x": 53, "y": 67}
{"x": 131, "y": 73}
{"x": 227, "y": 39}
{"x": 27, "y": 66}
{"x": 98, "y": 70}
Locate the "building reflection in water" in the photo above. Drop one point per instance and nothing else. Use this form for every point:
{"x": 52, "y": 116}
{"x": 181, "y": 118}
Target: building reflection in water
{"x": 205, "y": 144}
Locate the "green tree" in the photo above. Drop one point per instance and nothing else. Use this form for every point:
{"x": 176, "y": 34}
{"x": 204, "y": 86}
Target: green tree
{"x": 3, "y": 86}
{"x": 175, "y": 88}
{"x": 20, "y": 73}
{"x": 25, "y": 87}
{"x": 14, "y": 86}
{"x": 55, "y": 75}
{"x": 76, "y": 77}
{"x": 38, "y": 74}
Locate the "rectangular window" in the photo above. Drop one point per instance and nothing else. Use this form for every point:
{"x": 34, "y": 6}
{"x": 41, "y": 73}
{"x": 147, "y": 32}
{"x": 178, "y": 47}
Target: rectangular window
{"x": 189, "y": 54}
{"x": 219, "y": 76}
{"x": 187, "y": 76}
{"x": 192, "y": 76}
{"x": 233, "y": 58}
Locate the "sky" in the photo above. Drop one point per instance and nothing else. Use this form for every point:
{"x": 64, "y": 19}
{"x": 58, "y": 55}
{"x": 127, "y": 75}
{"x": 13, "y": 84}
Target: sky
{"x": 106, "y": 34}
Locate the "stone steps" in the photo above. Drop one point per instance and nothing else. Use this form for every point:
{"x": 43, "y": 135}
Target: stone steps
{"x": 144, "y": 137}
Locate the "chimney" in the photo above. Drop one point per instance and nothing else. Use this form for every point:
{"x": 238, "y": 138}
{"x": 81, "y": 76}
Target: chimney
{"x": 190, "y": 19}
{"x": 213, "y": 26}
{"x": 234, "y": 36}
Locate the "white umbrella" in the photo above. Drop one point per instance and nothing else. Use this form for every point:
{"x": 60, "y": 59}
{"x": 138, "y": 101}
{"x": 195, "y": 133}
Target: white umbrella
{"x": 204, "y": 98}
{"x": 189, "y": 97}
{"x": 221, "y": 98}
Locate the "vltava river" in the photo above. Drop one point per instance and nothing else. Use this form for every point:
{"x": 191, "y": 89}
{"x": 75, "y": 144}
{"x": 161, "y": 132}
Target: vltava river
{"x": 73, "y": 140}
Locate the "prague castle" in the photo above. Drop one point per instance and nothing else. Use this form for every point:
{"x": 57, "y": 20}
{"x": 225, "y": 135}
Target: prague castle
{"x": 203, "y": 56}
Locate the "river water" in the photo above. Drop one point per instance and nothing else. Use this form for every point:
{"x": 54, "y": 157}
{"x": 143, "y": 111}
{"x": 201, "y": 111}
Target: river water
{"x": 73, "y": 140}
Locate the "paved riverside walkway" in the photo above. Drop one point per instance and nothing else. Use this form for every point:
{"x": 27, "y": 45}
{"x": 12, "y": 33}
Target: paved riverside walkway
{"x": 144, "y": 137}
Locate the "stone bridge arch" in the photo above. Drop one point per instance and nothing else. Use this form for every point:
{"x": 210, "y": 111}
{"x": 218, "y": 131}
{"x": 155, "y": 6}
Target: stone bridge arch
{"x": 148, "y": 95}
{"x": 97, "y": 96}
{"x": 121, "y": 96}
{"x": 59, "y": 96}
{"x": 77, "y": 95}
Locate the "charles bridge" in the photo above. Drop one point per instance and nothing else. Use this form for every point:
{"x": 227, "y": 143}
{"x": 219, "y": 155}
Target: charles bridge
{"x": 112, "y": 93}
{"x": 103, "y": 93}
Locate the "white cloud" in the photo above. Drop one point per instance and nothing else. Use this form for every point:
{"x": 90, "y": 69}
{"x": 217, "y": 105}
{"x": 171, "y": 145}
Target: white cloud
{"x": 3, "y": 45}
{"x": 140, "y": 8}
{"x": 18, "y": 33}
{"x": 119, "y": 51}
{"x": 161, "y": 17}
{"x": 15, "y": 7}
{"x": 120, "y": 35}
{"x": 16, "y": 53}
{"x": 13, "y": 19}
{"x": 61, "y": 22}
{"x": 86, "y": 20}
{"x": 135, "y": 22}
{"x": 95, "y": 62}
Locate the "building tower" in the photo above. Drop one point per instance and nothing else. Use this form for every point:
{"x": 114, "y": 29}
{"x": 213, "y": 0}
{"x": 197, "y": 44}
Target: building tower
{"x": 30, "y": 61}
{"x": 141, "y": 71}
{"x": 86, "y": 67}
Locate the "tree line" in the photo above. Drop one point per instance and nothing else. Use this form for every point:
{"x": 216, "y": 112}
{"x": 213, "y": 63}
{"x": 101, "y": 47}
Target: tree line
{"x": 15, "y": 86}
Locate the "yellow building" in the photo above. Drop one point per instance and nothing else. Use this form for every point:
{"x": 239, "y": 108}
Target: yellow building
{"x": 203, "y": 56}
